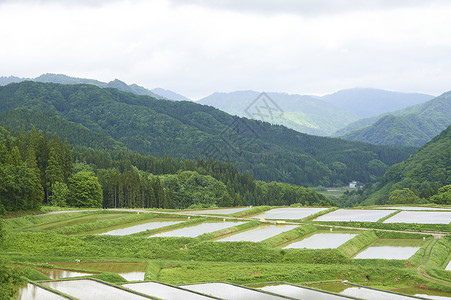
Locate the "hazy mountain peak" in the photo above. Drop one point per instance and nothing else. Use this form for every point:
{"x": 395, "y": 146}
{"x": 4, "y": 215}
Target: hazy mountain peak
{"x": 170, "y": 95}
{"x": 368, "y": 102}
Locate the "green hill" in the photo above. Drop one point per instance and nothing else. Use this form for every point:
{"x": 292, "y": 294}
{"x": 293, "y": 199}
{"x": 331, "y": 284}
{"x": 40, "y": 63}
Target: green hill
{"x": 108, "y": 118}
{"x": 424, "y": 172}
{"x": 412, "y": 126}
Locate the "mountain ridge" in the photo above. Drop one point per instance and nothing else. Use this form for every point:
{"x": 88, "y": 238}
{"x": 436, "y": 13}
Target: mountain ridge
{"x": 414, "y": 125}
{"x": 94, "y": 117}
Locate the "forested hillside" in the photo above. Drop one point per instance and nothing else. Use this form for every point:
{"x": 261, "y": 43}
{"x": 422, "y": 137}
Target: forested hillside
{"x": 36, "y": 168}
{"x": 412, "y": 126}
{"x": 107, "y": 118}
{"x": 424, "y": 173}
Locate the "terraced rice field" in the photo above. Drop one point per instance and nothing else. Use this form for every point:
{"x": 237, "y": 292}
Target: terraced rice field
{"x": 165, "y": 291}
{"x": 194, "y": 231}
{"x": 231, "y": 292}
{"x": 421, "y": 217}
{"x": 292, "y": 213}
{"x": 221, "y": 211}
{"x": 299, "y": 292}
{"x": 322, "y": 241}
{"x": 79, "y": 220}
{"x": 355, "y": 215}
{"x": 261, "y": 233}
{"x": 90, "y": 289}
{"x": 391, "y": 249}
{"x": 140, "y": 228}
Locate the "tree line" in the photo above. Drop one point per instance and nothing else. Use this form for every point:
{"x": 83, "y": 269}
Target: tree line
{"x": 37, "y": 168}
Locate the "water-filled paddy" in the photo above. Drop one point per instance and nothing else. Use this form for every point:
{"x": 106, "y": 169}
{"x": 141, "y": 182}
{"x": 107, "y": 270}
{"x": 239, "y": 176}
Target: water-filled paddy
{"x": 140, "y": 228}
{"x": 262, "y": 232}
{"x": 301, "y": 292}
{"x": 387, "y": 252}
{"x": 163, "y": 291}
{"x": 391, "y": 249}
{"x": 290, "y": 213}
{"x": 421, "y": 217}
{"x": 414, "y": 208}
{"x": 129, "y": 271}
{"x": 79, "y": 220}
{"x": 89, "y": 289}
{"x": 221, "y": 211}
{"x": 355, "y": 215}
{"x": 197, "y": 230}
{"x": 322, "y": 241}
{"x": 59, "y": 273}
{"x": 370, "y": 294}
{"x": 229, "y": 291}
{"x": 33, "y": 292}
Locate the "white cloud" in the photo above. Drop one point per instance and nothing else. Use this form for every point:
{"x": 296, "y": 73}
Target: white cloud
{"x": 196, "y": 48}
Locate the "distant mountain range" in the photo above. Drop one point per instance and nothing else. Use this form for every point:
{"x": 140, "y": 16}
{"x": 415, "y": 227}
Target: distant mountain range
{"x": 158, "y": 93}
{"x": 338, "y": 114}
{"x": 302, "y": 113}
{"x": 412, "y": 126}
{"x": 366, "y": 102}
{"x": 319, "y": 115}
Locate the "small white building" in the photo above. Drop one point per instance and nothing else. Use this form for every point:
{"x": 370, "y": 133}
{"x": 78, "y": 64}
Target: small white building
{"x": 353, "y": 185}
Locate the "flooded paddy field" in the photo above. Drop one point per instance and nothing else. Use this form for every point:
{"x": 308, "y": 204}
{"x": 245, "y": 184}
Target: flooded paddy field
{"x": 361, "y": 292}
{"x": 61, "y": 273}
{"x": 323, "y": 240}
{"x": 258, "y": 234}
{"x": 299, "y": 292}
{"x": 426, "y": 208}
{"x": 421, "y": 217}
{"x": 355, "y": 215}
{"x": 141, "y": 227}
{"x": 77, "y": 220}
{"x": 165, "y": 291}
{"x": 219, "y": 211}
{"x": 290, "y": 213}
{"x": 391, "y": 249}
{"x": 33, "y": 292}
{"x": 90, "y": 289}
{"x": 231, "y": 292}
{"x": 196, "y": 230}
{"x": 129, "y": 271}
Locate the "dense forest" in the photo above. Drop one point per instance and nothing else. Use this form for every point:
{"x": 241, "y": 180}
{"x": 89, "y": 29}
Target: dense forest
{"x": 37, "y": 168}
{"x": 109, "y": 119}
{"x": 424, "y": 177}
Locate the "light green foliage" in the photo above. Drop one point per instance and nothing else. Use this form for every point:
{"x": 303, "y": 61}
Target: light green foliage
{"x": 9, "y": 277}
{"x": 85, "y": 190}
{"x": 60, "y": 194}
{"x": 17, "y": 187}
{"x": 2, "y": 232}
{"x": 444, "y": 195}
{"x": 404, "y": 196}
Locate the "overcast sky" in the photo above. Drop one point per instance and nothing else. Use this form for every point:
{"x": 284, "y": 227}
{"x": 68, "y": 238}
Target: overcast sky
{"x": 197, "y": 47}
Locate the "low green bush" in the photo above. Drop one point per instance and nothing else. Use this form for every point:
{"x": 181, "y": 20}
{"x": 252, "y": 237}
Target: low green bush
{"x": 354, "y": 245}
{"x": 288, "y": 236}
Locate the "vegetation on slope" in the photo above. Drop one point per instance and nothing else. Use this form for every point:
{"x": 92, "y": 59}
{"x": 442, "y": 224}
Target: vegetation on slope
{"x": 412, "y": 126}
{"x": 423, "y": 173}
{"x": 110, "y": 119}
